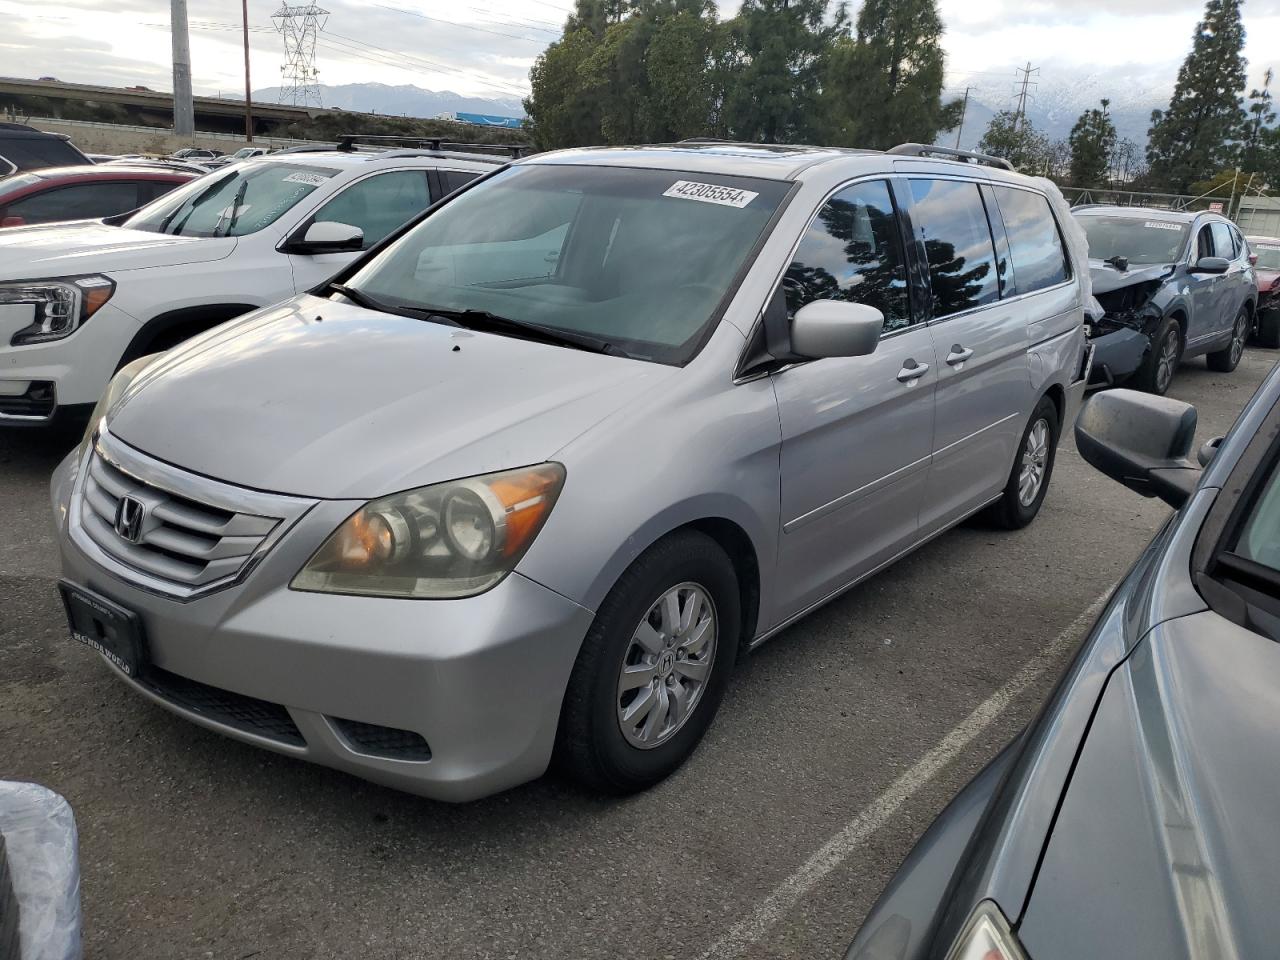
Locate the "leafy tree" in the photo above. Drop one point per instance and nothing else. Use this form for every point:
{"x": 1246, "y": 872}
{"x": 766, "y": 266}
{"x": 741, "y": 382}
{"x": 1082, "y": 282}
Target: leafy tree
{"x": 1092, "y": 141}
{"x": 1015, "y": 139}
{"x": 1125, "y": 164}
{"x": 563, "y": 109}
{"x": 1262, "y": 116}
{"x": 1192, "y": 139}
{"x": 774, "y": 68}
{"x": 883, "y": 86}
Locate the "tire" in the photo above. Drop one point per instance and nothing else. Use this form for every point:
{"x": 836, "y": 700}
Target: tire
{"x": 1228, "y": 358}
{"x": 1154, "y": 376}
{"x": 591, "y": 746}
{"x": 1268, "y": 332}
{"x": 1010, "y": 511}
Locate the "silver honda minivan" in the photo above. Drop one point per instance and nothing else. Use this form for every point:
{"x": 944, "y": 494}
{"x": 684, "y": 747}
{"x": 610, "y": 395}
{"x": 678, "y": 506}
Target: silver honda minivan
{"x": 519, "y": 485}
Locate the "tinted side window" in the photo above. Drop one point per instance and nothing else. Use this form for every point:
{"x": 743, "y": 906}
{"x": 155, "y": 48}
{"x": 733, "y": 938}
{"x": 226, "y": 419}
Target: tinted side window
{"x": 951, "y": 221}
{"x": 77, "y": 202}
{"x": 454, "y": 179}
{"x": 379, "y": 204}
{"x": 853, "y": 251}
{"x": 1222, "y": 240}
{"x": 1035, "y": 245}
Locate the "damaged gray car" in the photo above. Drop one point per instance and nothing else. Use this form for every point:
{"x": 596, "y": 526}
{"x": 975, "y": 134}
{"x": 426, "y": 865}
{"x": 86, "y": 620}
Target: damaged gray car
{"x": 1172, "y": 285}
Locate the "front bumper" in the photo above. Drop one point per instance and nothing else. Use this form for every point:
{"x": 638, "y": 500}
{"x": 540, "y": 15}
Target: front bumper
{"x": 77, "y": 368}
{"x": 315, "y": 676}
{"x": 1117, "y": 355}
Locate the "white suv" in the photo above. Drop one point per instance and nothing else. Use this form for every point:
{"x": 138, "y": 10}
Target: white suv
{"x": 80, "y": 300}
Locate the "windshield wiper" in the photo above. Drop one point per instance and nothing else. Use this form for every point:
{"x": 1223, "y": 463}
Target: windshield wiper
{"x": 205, "y": 195}
{"x": 493, "y": 323}
{"x": 236, "y": 204}
{"x": 362, "y": 299}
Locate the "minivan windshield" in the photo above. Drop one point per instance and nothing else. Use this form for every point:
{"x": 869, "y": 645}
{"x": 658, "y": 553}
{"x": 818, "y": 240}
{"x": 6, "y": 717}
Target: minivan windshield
{"x": 638, "y": 259}
{"x": 231, "y": 203}
{"x": 1137, "y": 240}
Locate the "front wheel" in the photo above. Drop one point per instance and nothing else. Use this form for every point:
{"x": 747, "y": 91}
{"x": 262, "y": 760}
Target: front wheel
{"x": 1228, "y": 358}
{"x": 653, "y": 667}
{"x": 1029, "y": 479}
{"x": 1163, "y": 357}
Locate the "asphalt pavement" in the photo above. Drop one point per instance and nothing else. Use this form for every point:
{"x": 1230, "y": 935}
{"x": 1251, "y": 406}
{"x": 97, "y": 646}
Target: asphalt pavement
{"x": 837, "y": 743}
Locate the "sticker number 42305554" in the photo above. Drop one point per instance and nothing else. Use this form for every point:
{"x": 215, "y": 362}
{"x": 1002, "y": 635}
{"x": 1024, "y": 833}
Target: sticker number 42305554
{"x": 710, "y": 193}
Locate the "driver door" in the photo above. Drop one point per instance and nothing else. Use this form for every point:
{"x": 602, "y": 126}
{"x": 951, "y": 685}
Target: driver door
{"x": 856, "y": 431}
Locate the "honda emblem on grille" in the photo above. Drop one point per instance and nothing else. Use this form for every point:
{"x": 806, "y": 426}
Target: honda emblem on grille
{"x": 130, "y": 512}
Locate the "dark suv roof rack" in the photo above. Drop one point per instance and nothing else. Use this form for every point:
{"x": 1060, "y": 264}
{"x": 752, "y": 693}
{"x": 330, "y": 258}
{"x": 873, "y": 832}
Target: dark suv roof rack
{"x": 347, "y": 144}
{"x": 968, "y": 156}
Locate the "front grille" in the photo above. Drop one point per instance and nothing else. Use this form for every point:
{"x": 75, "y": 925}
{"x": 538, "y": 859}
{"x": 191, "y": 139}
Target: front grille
{"x": 179, "y": 533}
{"x": 376, "y": 741}
{"x": 36, "y": 404}
{"x": 249, "y": 714}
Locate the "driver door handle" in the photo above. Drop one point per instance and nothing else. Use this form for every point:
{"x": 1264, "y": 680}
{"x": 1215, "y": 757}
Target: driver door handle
{"x": 958, "y": 354}
{"x": 912, "y": 371}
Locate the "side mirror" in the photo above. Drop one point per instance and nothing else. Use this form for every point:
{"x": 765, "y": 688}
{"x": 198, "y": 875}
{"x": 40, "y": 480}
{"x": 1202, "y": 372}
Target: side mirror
{"x": 12, "y": 222}
{"x": 1142, "y": 441}
{"x": 328, "y": 236}
{"x": 1211, "y": 265}
{"x": 1208, "y": 450}
{"x": 836, "y": 328}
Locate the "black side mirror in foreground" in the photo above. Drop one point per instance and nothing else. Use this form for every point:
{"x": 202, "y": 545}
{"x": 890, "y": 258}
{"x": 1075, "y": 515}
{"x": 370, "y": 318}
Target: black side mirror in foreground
{"x": 1142, "y": 441}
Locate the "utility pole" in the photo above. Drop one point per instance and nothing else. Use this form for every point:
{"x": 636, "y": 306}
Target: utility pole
{"x": 963, "y": 110}
{"x": 1020, "y": 115}
{"x": 248, "y": 94}
{"x": 184, "y": 114}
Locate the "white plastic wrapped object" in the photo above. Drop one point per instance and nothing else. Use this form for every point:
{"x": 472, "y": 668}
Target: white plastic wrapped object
{"x": 44, "y": 869}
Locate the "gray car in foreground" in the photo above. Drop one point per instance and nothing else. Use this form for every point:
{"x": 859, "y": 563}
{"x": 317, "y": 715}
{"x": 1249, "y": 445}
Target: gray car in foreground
{"x": 1136, "y": 816}
{"x": 522, "y": 483}
{"x": 1173, "y": 285}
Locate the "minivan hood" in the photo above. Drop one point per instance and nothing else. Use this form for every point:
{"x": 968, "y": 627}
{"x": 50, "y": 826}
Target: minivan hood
{"x": 90, "y": 246}
{"x": 329, "y": 400}
{"x": 1107, "y": 278}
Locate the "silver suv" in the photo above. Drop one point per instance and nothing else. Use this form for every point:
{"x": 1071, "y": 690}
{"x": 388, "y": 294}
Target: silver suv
{"x": 522, "y": 482}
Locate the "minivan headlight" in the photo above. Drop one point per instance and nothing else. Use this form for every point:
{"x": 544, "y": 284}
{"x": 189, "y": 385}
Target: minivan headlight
{"x": 448, "y": 540}
{"x": 115, "y": 390}
{"x": 986, "y": 936}
{"x": 61, "y": 306}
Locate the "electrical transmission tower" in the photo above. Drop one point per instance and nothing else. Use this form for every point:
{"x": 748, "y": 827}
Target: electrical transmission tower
{"x": 300, "y": 24}
{"x": 1020, "y": 115}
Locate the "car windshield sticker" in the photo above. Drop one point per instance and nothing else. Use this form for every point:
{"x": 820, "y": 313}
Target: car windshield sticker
{"x": 710, "y": 193}
{"x": 1157, "y": 225}
{"x": 310, "y": 179}
{"x": 1267, "y": 246}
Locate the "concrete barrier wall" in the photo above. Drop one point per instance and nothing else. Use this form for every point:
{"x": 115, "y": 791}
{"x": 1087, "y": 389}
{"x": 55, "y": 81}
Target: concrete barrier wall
{"x": 116, "y": 138}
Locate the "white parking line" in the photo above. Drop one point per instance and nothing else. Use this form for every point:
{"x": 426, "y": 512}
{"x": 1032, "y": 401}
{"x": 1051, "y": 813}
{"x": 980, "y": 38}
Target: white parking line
{"x": 841, "y": 846}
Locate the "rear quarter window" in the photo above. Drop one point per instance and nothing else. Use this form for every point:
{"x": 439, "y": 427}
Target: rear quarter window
{"x": 1035, "y": 243}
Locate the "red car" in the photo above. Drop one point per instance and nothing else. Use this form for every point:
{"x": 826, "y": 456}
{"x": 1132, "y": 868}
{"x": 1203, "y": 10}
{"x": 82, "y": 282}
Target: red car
{"x": 82, "y": 193}
{"x": 1266, "y": 267}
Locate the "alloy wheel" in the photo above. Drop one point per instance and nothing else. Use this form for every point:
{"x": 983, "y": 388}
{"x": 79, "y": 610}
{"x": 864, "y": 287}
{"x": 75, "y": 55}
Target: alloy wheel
{"x": 667, "y": 665}
{"x": 1035, "y": 458}
{"x": 1239, "y": 334}
{"x": 1167, "y": 361}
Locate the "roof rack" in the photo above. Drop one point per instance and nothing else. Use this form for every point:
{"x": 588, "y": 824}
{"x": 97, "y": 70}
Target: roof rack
{"x": 347, "y": 143}
{"x": 967, "y": 156}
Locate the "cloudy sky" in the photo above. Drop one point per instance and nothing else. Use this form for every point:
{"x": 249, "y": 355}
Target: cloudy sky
{"x": 1127, "y": 49}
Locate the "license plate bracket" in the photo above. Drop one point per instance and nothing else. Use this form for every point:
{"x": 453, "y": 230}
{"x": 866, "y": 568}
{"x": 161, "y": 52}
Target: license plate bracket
{"x": 105, "y": 626}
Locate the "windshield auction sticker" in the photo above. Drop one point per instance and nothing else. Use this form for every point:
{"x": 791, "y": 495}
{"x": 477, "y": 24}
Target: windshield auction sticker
{"x": 710, "y": 193}
{"x": 1157, "y": 225}
{"x": 310, "y": 179}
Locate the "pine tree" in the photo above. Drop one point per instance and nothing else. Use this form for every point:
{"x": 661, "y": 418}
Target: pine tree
{"x": 778, "y": 48}
{"x": 1192, "y": 140}
{"x": 1092, "y": 141}
{"x": 884, "y": 85}
{"x": 1262, "y": 115}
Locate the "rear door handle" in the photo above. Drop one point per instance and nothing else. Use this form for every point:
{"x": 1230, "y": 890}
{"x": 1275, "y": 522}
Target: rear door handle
{"x": 958, "y": 354}
{"x": 912, "y": 371}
